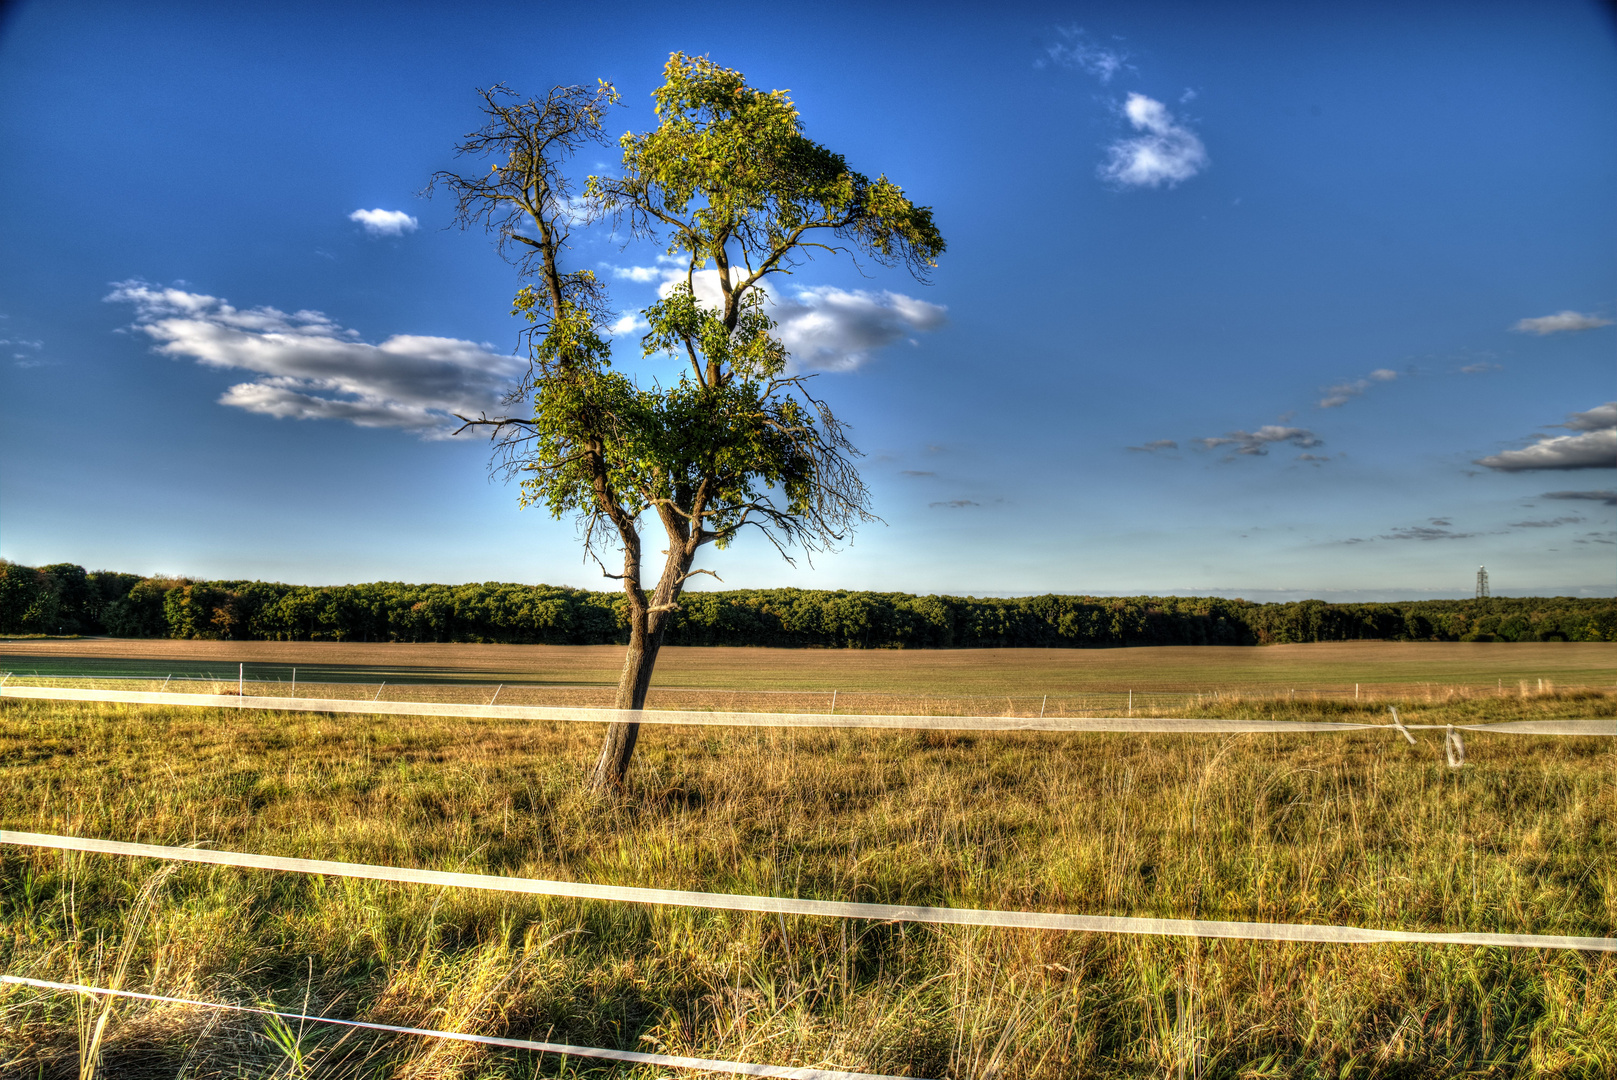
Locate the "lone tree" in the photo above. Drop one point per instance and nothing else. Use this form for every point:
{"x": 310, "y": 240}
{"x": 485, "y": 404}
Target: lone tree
{"x": 728, "y": 180}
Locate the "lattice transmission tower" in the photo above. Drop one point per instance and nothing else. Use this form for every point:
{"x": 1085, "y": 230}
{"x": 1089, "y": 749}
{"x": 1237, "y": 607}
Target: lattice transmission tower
{"x": 1482, "y": 582}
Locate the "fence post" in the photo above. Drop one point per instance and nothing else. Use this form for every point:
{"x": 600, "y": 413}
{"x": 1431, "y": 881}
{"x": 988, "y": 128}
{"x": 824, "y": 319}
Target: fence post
{"x": 241, "y": 680}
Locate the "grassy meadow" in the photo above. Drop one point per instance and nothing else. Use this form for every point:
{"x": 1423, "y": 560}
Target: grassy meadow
{"x": 1353, "y": 828}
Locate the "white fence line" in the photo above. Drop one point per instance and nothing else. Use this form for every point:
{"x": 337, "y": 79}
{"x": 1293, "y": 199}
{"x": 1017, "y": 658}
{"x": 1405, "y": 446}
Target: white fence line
{"x": 776, "y": 905}
{"x": 1589, "y": 726}
{"x": 635, "y": 1057}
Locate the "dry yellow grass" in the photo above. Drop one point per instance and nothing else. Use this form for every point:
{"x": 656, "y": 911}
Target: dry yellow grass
{"x": 1356, "y": 829}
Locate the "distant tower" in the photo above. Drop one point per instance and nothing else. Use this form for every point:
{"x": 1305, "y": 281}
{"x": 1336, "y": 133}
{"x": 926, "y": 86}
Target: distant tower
{"x": 1482, "y": 582}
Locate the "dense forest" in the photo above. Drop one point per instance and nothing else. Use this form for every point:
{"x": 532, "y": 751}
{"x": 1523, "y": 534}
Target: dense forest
{"x": 65, "y": 599}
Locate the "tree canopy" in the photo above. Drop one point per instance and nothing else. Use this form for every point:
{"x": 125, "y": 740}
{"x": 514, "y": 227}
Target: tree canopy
{"x": 63, "y": 598}
{"x": 728, "y": 184}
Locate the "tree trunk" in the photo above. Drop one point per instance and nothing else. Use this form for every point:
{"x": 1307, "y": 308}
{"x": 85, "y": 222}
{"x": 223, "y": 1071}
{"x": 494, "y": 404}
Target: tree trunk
{"x": 646, "y": 626}
{"x": 633, "y": 683}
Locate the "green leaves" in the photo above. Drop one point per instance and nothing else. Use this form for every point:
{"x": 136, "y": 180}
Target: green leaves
{"x": 719, "y": 351}
{"x": 729, "y": 165}
{"x": 728, "y": 179}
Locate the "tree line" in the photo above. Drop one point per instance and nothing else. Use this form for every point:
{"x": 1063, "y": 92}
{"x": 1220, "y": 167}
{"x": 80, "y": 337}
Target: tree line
{"x": 65, "y": 599}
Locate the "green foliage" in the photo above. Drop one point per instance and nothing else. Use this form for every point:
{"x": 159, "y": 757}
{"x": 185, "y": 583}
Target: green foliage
{"x": 728, "y": 163}
{"x": 554, "y": 615}
{"x": 58, "y": 599}
{"x": 728, "y": 179}
{"x": 139, "y": 613}
{"x": 28, "y": 601}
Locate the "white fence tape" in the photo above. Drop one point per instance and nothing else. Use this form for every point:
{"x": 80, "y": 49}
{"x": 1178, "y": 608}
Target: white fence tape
{"x": 776, "y": 720}
{"x": 671, "y": 1060}
{"x": 1036, "y": 920}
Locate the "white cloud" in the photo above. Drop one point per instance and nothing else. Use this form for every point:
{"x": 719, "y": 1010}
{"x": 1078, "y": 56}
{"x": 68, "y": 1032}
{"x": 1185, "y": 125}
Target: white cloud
{"x": 1594, "y": 447}
{"x": 824, "y": 328}
{"x": 1076, "y": 50}
{"x": 385, "y": 222}
{"x": 644, "y": 273}
{"x": 627, "y": 324}
{"x": 1599, "y": 418}
{"x": 1481, "y": 367}
{"x": 830, "y": 329}
{"x": 309, "y": 368}
{"x": 1342, "y": 393}
{"x": 1560, "y": 323}
{"x": 1167, "y": 153}
{"x": 1257, "y": 443}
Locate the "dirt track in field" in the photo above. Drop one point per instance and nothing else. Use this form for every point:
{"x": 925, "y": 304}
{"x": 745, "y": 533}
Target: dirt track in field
{"x": 1325, "y": 667}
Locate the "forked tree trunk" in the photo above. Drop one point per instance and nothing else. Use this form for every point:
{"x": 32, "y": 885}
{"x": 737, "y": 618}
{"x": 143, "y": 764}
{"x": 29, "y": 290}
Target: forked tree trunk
{"x": 633, "y": 683}
{"x": 647, "y": 624}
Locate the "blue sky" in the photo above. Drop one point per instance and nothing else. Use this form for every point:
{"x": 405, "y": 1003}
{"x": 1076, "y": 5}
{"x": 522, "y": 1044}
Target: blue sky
{"x": 1269, "y": 300}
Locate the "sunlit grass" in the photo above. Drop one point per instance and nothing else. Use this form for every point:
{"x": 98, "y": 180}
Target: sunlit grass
{"x": 1357, "y": 829}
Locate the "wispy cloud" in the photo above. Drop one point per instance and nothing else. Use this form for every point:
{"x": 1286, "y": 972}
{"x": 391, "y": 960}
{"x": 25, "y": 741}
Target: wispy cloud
{"x": 1077, "y": 49}
{"x": 1427, "y": 532}
{"x": 25, "y": 359}
{"x": 1257, "y": 443}
{"x": 1155, "y": 446}
{"x": 824, "y": 328}
{"x": 1437, "y": 528}
{"x": 385, "y": 222}
{"x": 1545, "y": 523}
{"x": 1563, "y": 322}
{"x": 1344, "y": 392}
{"x": 1594, "y": 447}
{"x": 310, "y": 368}
{"x": 1166, "y": 153}
{"x": 916, "y": 472}
{"x": 955, "y": 504}
{"x": 1609, "y": 498}
{"x": 1481, "y": 367}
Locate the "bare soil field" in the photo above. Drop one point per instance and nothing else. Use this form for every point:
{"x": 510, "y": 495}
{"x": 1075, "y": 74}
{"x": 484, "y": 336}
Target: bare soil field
{"x": 1330, "y": 668}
